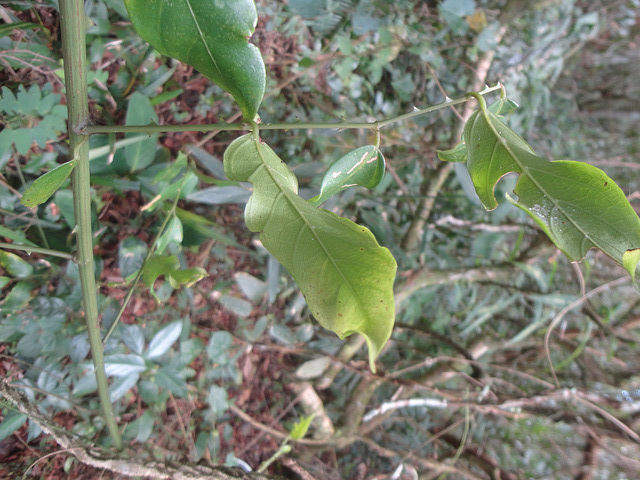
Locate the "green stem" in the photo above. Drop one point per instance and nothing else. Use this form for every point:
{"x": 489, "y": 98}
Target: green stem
{"x": 29, "y": 249}
{"x": 344, "y": 125}
{"x": 72, "y": 22}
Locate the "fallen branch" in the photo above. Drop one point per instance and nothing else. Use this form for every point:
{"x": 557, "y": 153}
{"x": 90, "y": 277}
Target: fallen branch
{"x": 133, "y": 468}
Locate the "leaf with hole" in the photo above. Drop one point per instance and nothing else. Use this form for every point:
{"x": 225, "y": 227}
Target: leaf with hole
{"x": 346, "y": 276}
{"x": 577, "y": 205}
{"x": 212, "y": 36}
{"x": 363, "y": 167}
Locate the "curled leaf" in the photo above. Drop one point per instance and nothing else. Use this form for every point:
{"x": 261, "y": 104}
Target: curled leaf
{"x": 362, "y": 167}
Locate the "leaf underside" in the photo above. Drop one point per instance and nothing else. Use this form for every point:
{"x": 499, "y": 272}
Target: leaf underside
{"x": 577, "y": 205}
{"x": 345, "y": 276}
{"x": 210, "y": 35}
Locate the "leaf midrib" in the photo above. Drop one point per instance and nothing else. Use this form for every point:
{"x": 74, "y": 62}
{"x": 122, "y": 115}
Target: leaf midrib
{"x": 202, "y": 37}
{"x": 287, "y": 194}
{"x": 524, "y": 171}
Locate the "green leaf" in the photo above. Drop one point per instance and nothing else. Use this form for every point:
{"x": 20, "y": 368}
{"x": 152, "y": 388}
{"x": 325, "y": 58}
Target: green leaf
{"x": 123, "y": 364}
{"x": 7, "y": 28}
{"x": 162, "y": 341}
{"x": 345, "y": 276}
{"x": 212, "y": 36}
{"x": 145, "y": 426}
{"x": 218, "y": 399}
{"x": 12, "y": 422}
{"x": 15, "y": 265}
{"x": 454, "y": 12}
{"x": 122, "y": 385}
{"x": 577, "y": 205}
{"x": 172, "y": 234}
{"x": 140, "y": 112}
{"x": 299, "y": 430}
{"x": 170, "y": 379}
{"x": 18, "y": 297}
{"x": 363, "y": 166}
{"x": 131, "y": 254}
{"x": 17, "y": 236}
{"x": 456, "y": 154}
{"x": 630, "y": 261}
{"x": 158, "y": 265}
{"x": 187, "y": 277}
{"x": 218, "y": 346}
{"x": 45, "y": 186}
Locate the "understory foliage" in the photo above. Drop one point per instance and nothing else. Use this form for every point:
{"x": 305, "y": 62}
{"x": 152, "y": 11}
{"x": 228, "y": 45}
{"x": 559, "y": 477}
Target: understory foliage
{"x": 416, "y": 211}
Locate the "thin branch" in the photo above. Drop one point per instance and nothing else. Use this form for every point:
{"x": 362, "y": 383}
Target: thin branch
{"x": 343, "y": 125}
{"x": 44, "y": 251}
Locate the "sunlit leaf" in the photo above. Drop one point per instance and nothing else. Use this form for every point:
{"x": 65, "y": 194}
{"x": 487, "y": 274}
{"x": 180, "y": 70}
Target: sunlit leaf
{"x": 577, "y": 205}
{"x": 363, "y": 167}
{"x": 299, "y": 430}
{"x": 346, "y": 277}
{"x": 162, "y": 341}
{"x": 211, "y": 35}
{"x": 187, "y": 277}
{"x": 124, "y": 364}
{"x": 46, "y": 185}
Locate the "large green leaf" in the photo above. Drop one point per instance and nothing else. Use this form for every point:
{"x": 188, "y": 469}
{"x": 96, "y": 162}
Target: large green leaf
{"x": 212, "y": 36}
{"x": 577, "y": 205}
{"x": 345, "y": 276}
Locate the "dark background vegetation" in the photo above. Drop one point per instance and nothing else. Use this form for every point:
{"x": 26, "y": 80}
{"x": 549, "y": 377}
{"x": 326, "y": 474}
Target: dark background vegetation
{"x": 476, "y": 291}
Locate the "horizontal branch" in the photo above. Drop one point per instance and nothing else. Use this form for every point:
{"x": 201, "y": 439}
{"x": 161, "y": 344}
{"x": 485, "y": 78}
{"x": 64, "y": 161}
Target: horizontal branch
{"x": 342, "y": 125}
{"x": 44, "y": 251}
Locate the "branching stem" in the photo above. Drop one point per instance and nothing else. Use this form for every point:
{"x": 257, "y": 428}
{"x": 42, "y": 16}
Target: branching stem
{"x": 72, "y": 20}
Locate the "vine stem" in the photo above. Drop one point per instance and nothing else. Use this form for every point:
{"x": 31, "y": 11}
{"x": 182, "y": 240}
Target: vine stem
{"x": 72, "y": 23}
{"x": 344, "y": 125}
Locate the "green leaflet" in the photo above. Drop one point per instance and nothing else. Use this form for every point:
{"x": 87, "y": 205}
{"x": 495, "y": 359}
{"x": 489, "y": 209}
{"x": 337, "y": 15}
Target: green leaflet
{"x": 212, "y": 36}
{"x": 345, "y": 276}
{"x": 363, "y": 167}
{"x": 46, "y": 185}
{"x": 577, "y": 205}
